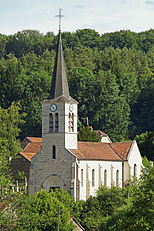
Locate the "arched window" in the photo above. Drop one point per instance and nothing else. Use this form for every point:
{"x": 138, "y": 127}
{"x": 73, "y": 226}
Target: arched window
{"x": 72, "y": 123}
{"x": 54, "y": 152}
{"x": 50, "y": 122}
{"x": 135, "y": 170}
{"x": 93, "y": 178}
{"x": 69, "y": 122}
{"x": 105, "y": 177}
{"x": 56, "y": 123}
{"x": 117, "y": 178}
{"x": 81, "y": 177}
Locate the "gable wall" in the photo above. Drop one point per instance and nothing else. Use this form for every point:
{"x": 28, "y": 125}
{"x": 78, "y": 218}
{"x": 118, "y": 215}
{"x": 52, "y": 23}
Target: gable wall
{"x": 24, "y": 143}
{"x": 46, "y": 172}
{"x": 134, "y": 157}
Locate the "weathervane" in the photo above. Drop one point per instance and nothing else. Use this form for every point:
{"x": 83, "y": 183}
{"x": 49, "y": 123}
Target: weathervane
{"x": 59, "y": 16}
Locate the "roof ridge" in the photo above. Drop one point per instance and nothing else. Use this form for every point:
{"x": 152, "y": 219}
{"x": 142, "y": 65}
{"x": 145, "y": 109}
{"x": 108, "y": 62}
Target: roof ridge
{"x": 31, "y": 138}
{"x": 122, "y": 142}
{"x": 91, "y": 142}
{"x": 114, "y": 150}
{"x": 35, "y": 137}
{"x": 130, "y": 147}
{"x": 26, "y": 146}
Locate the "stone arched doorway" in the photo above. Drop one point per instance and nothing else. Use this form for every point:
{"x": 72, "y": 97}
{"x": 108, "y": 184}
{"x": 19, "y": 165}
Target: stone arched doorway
{"x": 53, "y": 182}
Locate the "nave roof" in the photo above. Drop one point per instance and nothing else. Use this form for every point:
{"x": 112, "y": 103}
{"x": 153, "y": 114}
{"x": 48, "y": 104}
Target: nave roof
{"x": 85, "y": 151}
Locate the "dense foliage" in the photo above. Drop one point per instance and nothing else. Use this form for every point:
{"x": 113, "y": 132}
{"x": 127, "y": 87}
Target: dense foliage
{"x": 110, "y": 75}
{"x": 85, "y": 134}
{"x": 10, "y": 121}
{"x": 38, "y": 212}
{"x": 145, "y": 142}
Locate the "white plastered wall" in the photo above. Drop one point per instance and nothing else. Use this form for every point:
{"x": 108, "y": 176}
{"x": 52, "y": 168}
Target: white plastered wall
{"x": 134, "y": 157}
{"x": 99, "y": 166}
{"x": 70, "y": 137}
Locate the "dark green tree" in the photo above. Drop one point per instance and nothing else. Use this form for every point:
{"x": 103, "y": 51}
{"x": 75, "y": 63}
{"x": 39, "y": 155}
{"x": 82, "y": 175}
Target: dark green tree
{"x": 113, "y": 111}
{"x": 137, "y": 213}
{"x": 41, "y": 212}
{"x": 145, "y": 142}
{"x": 10, "y": 123}
{"x": 88, "y": 37}
{"x": 85, "y": 134}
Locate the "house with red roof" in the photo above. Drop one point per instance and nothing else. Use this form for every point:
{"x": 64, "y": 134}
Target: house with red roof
{"x": 58, "y": 160}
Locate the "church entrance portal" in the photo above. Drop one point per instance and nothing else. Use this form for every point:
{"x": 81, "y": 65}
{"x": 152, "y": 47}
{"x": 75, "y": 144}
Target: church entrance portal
{"x": 54, "y": 188}
{"x": 53, "y": 182}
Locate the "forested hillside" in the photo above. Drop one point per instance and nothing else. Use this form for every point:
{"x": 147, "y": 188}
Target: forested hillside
{"x": 110, "y": 75}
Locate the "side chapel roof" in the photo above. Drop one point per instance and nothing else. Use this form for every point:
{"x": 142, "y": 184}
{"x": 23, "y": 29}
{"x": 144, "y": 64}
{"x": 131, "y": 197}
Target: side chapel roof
{"x": 85, "y": 151}
{"x": 31, "y": 145}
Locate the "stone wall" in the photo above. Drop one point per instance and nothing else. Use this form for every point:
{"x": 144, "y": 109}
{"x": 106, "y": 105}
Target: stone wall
{"x": 46, "y": 172}
{"x": 20, "y": 164}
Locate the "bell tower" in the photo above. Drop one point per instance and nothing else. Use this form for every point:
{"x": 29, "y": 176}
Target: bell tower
{"x": 52, "y": 166}
{"x": 59, "y": 110}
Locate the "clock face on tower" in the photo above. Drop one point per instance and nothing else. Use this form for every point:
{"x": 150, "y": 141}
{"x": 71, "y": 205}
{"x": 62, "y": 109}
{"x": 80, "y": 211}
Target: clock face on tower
{"x": 53, "y": 107}
{"x": 71, "y": 107}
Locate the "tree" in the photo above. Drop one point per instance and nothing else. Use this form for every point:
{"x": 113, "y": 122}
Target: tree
{"x": 81, "y": 82}
{"x": 3, "y": 42}
{"x": 10, "y": 122}
{"x": 31, "y": 89}
{"x": 113, "y": 111}
{"x": 24, "y": 42}
{"x": 119, "y": 39}
{"x": 143, "y": 110}
{"x": 85, "y": 134}
{"x": 145, "y": 142}
{"x": 88, "y": 37}
{"x": 94, "y": 209}
{"x": 137, "y": 213}
{"x": 38, "y": 212}
{"x": 8, "y": 76}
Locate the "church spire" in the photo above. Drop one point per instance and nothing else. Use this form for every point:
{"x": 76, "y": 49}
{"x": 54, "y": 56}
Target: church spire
{"x": 59, "y": 85}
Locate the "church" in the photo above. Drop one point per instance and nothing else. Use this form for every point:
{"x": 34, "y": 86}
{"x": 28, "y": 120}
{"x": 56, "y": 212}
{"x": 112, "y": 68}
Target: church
{"x": 59, "y": 160}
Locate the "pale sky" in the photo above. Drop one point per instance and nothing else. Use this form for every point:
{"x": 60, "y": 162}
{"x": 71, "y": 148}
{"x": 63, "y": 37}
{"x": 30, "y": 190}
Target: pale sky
{"x": 100, "y": 15}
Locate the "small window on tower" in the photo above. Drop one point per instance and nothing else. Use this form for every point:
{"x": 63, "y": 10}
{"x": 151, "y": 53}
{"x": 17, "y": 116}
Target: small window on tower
{"x": 50, "y": 122}
{"x": 56, "y": 123}
{"x": 72, "y": 123}
{"x": 69, "y": 122}
{"x": 54, "y": 152}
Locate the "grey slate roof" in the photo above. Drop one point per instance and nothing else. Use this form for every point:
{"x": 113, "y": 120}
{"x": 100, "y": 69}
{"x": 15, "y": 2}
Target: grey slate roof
{"x": 59, "y": 85}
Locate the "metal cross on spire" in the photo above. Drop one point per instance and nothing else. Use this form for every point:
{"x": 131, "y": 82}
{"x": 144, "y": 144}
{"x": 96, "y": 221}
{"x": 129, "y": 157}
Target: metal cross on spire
{"x": 60, "y": 17}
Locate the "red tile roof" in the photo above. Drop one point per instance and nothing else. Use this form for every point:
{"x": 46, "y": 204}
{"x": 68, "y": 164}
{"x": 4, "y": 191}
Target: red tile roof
{"x": 96, "y": 151}
{"x": 86, "y": 150}
{"x": 32, "y": 148}
{"x": 28, "y": 156}
{"x": 122, "y": 148}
